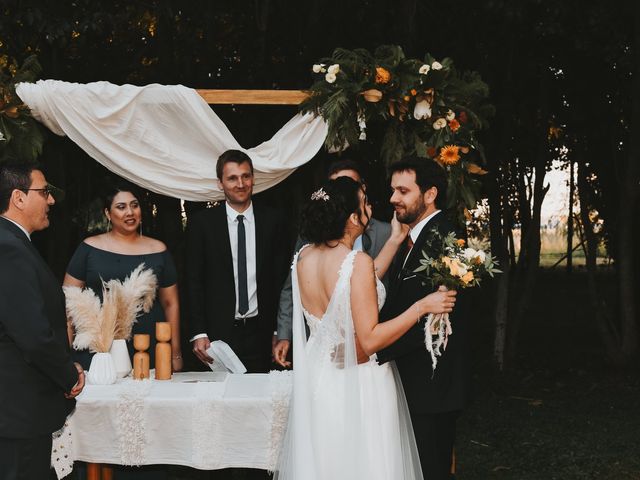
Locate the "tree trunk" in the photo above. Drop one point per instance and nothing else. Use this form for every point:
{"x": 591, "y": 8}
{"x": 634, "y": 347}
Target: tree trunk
{"x": 570, "y": 220}
{"x": 607, "y": 330}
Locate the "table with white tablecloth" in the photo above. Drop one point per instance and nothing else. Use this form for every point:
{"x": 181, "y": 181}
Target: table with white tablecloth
{"x": 202, "y": 420}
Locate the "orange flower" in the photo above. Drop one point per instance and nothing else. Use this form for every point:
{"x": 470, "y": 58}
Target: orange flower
{"x": 406, "y": 98}
{"x": 450, "y": 155}
{"x": 454, "y": 125}
{"x": 431, "y": 152}
{"x": 414, "y": 92}
{"x": 467, "y": 277}
{"x": 382, "y": 75}
{"x": 461, "y": 242}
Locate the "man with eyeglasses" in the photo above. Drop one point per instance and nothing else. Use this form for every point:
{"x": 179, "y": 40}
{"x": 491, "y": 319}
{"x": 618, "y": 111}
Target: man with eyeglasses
{"x": 38, "y": 380}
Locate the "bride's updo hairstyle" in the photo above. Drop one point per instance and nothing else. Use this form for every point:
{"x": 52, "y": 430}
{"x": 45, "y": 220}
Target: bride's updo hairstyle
{"x": 325, "y": 214}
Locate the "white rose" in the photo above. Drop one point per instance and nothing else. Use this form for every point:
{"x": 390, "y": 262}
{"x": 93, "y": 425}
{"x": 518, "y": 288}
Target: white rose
{"x": 450, "y": 115}
{"x": 424, "y": 69}
{"x": 330, "y": 77}
{"x": 481, "y": 255}
{"x": 422, "y": 110}
{"x": 439, "y": 123}
{"x": 1, "y": 136}
{"x": 317, "y": 68}
{"x": 436, "y": 66}
{"x": 469, "y": 253}
{"x": 335, "y": 68}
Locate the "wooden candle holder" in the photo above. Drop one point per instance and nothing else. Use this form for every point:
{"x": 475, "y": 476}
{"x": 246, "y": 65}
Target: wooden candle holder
{"x": 163, "y": 351}
{"x": 141, "y": 342}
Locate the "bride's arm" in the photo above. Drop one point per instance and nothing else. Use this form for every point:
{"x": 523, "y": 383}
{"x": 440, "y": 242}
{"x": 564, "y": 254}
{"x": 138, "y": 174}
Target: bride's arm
{"x": 374, "y": 336}
{"x": 385, "y": 256}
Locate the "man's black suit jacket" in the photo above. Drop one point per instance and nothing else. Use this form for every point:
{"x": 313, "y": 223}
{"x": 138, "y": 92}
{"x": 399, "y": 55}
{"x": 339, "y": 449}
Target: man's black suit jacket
{"x": 211, "y": 283}
{"x": 35, "y": 362}
{"x": 446, "y": 389}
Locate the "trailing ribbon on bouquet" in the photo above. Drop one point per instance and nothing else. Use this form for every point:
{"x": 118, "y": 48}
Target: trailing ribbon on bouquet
{"x": 437, "y": 329}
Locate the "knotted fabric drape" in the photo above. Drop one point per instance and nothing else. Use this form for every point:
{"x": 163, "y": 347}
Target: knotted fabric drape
{"x": 164, "y": 138}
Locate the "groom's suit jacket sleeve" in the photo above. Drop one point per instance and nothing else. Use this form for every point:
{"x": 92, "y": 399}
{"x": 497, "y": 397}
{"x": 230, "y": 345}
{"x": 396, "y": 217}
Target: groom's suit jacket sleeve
{"x": 36, "y": 366}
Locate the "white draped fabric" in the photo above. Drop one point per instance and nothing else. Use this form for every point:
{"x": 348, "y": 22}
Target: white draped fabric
{"x": 164, "y": 138}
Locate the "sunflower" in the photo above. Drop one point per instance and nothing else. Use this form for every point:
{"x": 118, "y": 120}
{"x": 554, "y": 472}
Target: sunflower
{"x": 449, "y": 155}
{"x": 382, "y": 75}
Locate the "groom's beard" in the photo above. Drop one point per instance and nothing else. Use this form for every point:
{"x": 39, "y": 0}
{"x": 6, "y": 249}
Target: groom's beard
{"x": 411, "y": 213}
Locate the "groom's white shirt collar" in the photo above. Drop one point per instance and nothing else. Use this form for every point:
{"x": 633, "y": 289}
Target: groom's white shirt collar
{"x": 415, "y": 231}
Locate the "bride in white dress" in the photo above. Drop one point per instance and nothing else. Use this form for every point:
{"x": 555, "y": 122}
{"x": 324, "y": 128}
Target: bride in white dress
{"x": 348, "y": 416}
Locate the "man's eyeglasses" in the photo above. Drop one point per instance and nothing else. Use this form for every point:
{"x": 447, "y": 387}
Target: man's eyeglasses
{"x": 45, "y": 192}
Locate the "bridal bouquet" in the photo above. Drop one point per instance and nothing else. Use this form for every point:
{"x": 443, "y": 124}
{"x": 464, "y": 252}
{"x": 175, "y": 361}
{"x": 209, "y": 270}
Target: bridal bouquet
{"x": 98, "y": 324}
{"x": 453, "y": 266}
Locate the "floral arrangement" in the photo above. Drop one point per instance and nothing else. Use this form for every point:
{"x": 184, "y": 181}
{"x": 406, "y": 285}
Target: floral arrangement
{"x": 455, "y": 267}
{"x": 426, "y": 106}
{"x": 98, "y": 324}
{"x": 21, "y": 136}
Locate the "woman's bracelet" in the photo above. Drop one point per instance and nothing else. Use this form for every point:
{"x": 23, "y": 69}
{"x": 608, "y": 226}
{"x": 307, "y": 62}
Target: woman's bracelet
{"x": 418, "y": 311}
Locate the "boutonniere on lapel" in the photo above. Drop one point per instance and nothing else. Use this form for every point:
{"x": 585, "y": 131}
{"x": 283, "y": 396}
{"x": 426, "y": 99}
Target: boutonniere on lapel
{"x": 448, "y": 263}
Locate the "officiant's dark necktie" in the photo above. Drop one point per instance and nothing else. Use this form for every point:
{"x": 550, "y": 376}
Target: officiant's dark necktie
{"x": 243, "y": 296}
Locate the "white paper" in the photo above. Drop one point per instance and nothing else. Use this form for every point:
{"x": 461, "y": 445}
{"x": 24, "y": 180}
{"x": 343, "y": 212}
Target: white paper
{"x": 224, "y": 358}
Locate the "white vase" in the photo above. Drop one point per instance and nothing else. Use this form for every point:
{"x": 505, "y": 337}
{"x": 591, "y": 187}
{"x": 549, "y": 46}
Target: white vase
{"x": 102, "y": 370}
{"x": 120, "y": 354}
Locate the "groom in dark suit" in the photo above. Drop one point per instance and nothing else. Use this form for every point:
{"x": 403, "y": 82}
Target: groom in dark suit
{"x": 235, "y": 268}
{"x": 38, "y": 380}
{"x": 435, "y": 398}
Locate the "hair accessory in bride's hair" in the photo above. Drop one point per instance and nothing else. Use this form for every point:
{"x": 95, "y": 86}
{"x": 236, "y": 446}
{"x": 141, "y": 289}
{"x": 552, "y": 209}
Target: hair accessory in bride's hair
{"x": 320, "y": 194}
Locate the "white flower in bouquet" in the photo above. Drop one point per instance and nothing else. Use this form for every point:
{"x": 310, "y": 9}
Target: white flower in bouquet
{"x": 317, "y": 68}
{"x": 475, "y": 256}
{"x": 422, "y": 110}
{"x": 439, "y": 123}
{"x": 424, "y": 69}
{"x": 335, "y": 68}
{"x": 450, "y": 115}
{"x": 436, "y": 66}
{"x": 330, "y": 77}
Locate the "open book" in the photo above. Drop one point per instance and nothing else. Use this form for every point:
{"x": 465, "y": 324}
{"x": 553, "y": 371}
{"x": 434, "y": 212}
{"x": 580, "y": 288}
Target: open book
{"x": 224, "y": 358}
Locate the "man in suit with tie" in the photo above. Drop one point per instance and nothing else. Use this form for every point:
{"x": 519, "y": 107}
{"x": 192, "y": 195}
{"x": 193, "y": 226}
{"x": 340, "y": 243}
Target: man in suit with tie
{"x": 371, "y": 242}
{"x": 236, "y": 264}
{"x": 435, "y": 398}
{"x": 38, "y": 380}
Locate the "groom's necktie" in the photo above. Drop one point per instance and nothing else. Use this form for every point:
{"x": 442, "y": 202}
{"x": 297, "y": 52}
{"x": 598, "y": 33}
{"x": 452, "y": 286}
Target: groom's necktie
{"x": 408, "y": 245}
{"x": 243, "y": 296}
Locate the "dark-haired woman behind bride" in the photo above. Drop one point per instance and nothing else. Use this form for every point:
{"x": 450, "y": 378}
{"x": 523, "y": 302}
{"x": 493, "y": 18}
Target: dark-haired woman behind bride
{"x": 348, "y": 416}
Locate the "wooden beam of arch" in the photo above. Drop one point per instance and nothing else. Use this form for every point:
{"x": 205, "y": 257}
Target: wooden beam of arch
{"x": 253, "y": 97}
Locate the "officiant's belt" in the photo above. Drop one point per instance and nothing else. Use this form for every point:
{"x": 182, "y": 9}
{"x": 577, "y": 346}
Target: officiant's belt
{"x": 243, "y": 322}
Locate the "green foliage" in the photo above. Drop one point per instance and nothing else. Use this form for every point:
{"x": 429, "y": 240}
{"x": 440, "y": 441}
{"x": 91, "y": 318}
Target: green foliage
{"x": 21, "y": 136}
{"x": 426, "y": 105}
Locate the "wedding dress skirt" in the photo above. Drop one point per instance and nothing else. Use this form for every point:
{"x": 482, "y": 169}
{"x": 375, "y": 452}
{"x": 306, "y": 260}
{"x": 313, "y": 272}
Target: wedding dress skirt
{"x": 347, "y": 421}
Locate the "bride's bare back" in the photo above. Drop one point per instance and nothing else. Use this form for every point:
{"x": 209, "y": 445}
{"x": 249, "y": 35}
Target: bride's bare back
{"x": 318, "y": 272}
